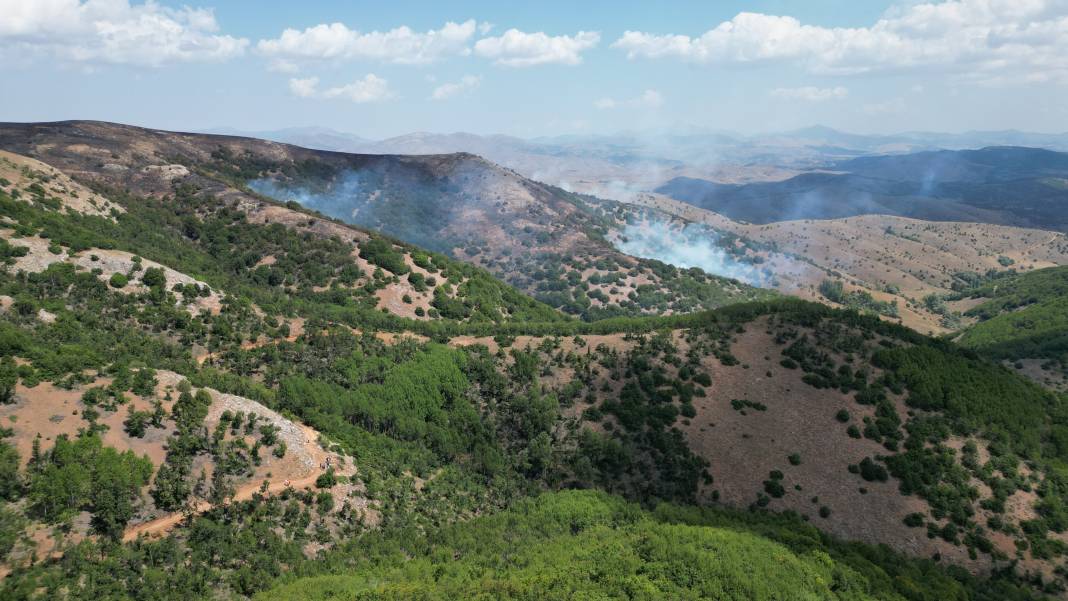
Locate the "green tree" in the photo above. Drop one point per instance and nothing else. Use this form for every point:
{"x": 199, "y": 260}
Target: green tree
{"x": 118, "y": 280}
{"x": 117, "y": 481}
{"x": 9, "y": 377}
{"x": 153, "y": 277}
{"x": 10, "y": 479}
{"x": 144, "y": 382}
{"x": 136, "y": 422}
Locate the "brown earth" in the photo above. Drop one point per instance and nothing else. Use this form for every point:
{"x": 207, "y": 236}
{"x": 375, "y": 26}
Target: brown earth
{"x": 49, "y": 411}
{"x": 744, "y": 449}
{"x": 22, "y": 172}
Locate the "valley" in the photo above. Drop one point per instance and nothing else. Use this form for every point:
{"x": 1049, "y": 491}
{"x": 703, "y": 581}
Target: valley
{"x": 207, "y": 342}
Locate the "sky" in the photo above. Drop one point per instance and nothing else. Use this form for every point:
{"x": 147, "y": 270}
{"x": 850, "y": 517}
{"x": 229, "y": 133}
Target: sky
{"x": 380, "y": 69}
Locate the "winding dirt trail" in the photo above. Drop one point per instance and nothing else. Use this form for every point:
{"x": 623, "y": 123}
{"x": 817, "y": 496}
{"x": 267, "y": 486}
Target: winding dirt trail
{"x": 163, "y": 525}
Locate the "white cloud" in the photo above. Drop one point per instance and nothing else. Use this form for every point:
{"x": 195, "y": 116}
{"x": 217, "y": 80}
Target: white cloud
{"x": 112, "y": 32}
{"x": 401, "y": 45}
{"x": 283, "y": 66}
{"x": 811, "y": 93}
{"x": 305, "y": 88}
{"x": 979, "y": 39}
{"x": 886, "y": 107}
{"x": 448, "y": 90}
{"x": 649, "y": 99}
{"x": 516, "y": 48}
{"x": 369, "y": 89}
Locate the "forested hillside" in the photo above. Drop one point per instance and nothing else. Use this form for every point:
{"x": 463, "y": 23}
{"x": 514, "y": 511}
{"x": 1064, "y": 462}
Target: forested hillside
{"x": 1022, "y": 319}
{"x": 209, "y": 395}
{"x": 1024, "y": 315}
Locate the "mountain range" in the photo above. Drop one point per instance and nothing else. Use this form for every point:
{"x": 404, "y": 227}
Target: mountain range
{"x": 1001, "y": 185}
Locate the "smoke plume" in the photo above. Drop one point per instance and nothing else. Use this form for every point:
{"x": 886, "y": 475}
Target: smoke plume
{"x": 690, "y": 246}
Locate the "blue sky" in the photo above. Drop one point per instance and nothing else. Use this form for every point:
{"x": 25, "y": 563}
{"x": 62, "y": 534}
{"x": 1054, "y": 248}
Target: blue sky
{"x": 379, "y": 69}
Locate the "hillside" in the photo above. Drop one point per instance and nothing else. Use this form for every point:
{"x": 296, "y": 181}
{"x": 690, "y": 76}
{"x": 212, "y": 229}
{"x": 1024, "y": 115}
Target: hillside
{"x": 904, "y": 269}
{"x": 534, "y": 237}
{"x": 149, "y": 334}
{"x": 1022, "y": 187}
{"x": 868, "y": 430}
{"x": 1022, "y": 319}
{"x": 584, "y": 544}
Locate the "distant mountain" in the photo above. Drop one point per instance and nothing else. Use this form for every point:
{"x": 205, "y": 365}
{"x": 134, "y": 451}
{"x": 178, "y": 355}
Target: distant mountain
{"x": 316, "y": 138}
{"x": 1001, "y": 185}
{"x": 678, "y": 146}
{"x": 620, "y": 166}
{"x": 979, "y": 139}
{"x": 823, "y": 136}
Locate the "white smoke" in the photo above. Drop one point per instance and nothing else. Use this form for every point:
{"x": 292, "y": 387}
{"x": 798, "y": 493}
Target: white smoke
{"x": 690, "y": 246}
{"x": 342, "y": 198}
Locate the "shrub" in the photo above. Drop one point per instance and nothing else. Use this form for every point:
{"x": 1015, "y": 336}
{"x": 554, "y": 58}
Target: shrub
{"x": 118, "y": 280}
{"x": 327, "y": 479}
{"x": 153, "y": 277}
{"x": 380, "y": 252}
{"x": 136, "y": 423}
{"x": 872, "y": 471}
{"x": 774, "y": 488}
{"x": 914, "y": 520}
